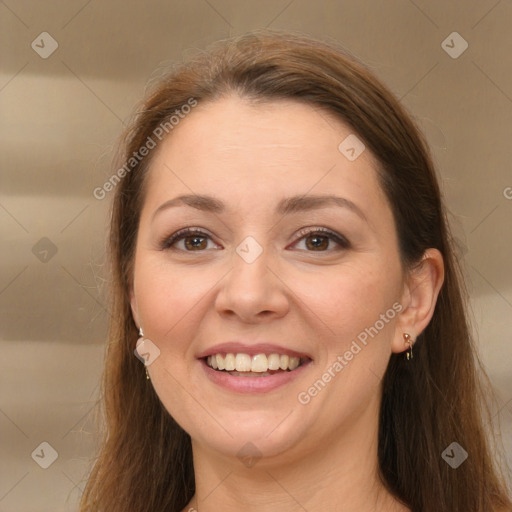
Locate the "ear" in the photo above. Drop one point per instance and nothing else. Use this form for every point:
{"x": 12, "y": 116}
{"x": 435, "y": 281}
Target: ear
{"x": 419, "y": 297}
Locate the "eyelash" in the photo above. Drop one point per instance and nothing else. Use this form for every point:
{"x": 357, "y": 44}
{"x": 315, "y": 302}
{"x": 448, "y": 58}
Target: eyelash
{"x": 168, "y": 242}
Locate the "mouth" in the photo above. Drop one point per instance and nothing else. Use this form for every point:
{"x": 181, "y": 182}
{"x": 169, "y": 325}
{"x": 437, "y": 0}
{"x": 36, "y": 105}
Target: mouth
{"x": 258, "y": 365}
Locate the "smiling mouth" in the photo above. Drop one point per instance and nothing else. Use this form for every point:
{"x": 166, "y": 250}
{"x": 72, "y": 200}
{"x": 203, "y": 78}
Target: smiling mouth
{"x": 259, "y": 365}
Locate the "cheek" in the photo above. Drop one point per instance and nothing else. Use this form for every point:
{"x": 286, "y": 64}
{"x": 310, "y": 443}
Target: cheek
{"x": 168, "y": 300}
{"x": 355, "y": 311}
{"x": 170, "y": 303}
{"x": 350, "y": 299}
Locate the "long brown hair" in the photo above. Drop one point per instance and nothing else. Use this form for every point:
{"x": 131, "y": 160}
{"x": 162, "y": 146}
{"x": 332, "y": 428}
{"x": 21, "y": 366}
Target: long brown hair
{"x": 145, "y": 458}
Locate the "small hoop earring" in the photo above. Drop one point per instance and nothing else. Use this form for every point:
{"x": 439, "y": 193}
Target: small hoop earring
{"x": 408, "y": 340}
{"x": 141, "y": 338}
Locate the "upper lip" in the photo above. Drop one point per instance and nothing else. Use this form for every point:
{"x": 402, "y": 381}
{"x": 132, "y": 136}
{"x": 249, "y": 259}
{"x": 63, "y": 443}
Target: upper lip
{"x": 235, "y": 347}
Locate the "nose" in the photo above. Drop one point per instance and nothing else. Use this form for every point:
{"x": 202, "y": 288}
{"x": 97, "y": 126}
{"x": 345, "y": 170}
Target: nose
{"x": 253, "y": 291}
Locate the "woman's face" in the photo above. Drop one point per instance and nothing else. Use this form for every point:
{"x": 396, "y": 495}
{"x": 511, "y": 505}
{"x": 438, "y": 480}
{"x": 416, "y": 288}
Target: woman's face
{"x": 262, "y": 278}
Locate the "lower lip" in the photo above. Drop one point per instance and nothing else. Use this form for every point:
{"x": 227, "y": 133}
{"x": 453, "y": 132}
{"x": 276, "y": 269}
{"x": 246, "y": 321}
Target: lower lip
{"x": 252, "y": 384}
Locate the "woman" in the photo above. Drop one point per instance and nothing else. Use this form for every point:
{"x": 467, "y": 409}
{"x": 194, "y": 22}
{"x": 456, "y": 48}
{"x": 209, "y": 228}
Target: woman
{"x": 282, "y": 264}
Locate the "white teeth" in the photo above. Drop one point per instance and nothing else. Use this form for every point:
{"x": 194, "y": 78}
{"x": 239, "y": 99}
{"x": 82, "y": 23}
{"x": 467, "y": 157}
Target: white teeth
{"x": 243, "y": 362}
{"x": 294, "y": 362}
{"x": 220, "y": 362}
{"x": 229, "y": 362}
{"x": 273, "y": 361}
{"x": 259, "y": 363}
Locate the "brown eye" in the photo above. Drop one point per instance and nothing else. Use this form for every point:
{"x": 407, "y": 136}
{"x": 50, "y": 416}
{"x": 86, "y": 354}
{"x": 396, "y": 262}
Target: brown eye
{"x": 193, "y": 241}
{"x": 318, "y": 240}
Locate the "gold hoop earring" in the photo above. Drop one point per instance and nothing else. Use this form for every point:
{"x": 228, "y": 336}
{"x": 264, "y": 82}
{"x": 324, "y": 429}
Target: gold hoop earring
{"x": 140, "y": 340}
{"x": 408, "y": 340}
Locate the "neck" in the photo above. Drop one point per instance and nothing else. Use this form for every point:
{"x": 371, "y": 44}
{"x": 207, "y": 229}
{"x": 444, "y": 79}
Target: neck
{"x": 340, "y": 474}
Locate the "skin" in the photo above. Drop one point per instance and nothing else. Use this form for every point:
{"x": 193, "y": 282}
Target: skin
{"x": 317, "y": 456}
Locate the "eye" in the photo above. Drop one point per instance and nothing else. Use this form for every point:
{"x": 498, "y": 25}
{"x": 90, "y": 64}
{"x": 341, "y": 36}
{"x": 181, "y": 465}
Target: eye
{"x": 318, "y": 239}
{"x": 194, "y": 240}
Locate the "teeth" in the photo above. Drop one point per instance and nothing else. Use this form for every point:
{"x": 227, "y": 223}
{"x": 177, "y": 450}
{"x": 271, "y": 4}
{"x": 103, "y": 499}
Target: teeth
{"x": 243, "y": 362}
{"x": 259, "y": 363}
{"x": 220, "y": 362}
{"x": 273, "y": 361}
{"x": 294, "y": 363}
{"x": 229, "y": 362}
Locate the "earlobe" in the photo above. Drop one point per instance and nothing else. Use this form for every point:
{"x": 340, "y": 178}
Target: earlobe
{"x": 419, "y": 298}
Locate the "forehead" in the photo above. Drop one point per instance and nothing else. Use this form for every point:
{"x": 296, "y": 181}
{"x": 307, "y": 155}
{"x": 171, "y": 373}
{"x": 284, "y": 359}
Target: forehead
{"x": 255, "y": 152}
{"x": 234, "y": 125}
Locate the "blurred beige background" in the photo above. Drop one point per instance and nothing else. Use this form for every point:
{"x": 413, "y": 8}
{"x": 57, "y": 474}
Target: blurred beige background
{"x": 62, "y": 112}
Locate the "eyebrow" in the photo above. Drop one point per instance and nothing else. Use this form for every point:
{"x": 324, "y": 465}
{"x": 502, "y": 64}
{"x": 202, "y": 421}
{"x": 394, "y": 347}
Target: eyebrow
{"x": 286, "y": 206}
